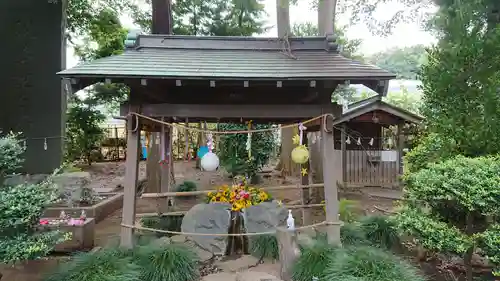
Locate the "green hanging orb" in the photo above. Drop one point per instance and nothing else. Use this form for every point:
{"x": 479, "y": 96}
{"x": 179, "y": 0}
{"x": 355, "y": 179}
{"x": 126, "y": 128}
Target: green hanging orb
{"x": 300, "y": 154}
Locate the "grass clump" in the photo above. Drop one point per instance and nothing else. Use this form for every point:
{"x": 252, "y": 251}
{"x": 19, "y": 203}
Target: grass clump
{"x": 187, "y": 186}
{"x": 353, "y": 234}
{"x": 166, "y": 262}
{"x": 380, "y": 231}
{"x": 105, "y": 265}
{"x": 156, "y": 261}
{"x": 264, "y": 247}
{"x": 370, "y": 264}
{"x": 314, "y": 258}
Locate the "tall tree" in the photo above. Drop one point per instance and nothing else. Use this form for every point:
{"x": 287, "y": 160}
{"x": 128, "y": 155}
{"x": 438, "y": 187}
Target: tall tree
{"x": 211, "y": 17}
{"x": 404, "y": 62}
{"x": 462, "y": 77}
{"x": 81, "y": 14}
{"x": 105, "y": 37}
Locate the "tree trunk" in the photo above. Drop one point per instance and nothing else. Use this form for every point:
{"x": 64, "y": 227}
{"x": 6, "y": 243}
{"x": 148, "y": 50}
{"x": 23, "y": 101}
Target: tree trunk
{"x": 469, "y": 229}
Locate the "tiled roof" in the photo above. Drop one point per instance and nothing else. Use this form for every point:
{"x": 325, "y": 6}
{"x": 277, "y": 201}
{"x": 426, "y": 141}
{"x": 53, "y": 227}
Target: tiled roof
{"x": 229, "y": 58}
{"x": 376, "y": 103}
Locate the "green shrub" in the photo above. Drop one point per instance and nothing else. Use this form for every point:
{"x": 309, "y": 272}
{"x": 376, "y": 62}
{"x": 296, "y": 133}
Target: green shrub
{"x": 313, "y": 260}
{"x": 450, "y": 204}
{"x": 105, "y": 265}
{"x": 186, "y": 186}
{"x": 264, "y": 247}
{"x": 170, "y": 223}
{"x": 370, "y": 264}
{"x": 166, "y": 262}
{"x": 11, "y": 151}
{"x": 380, "y": 231}
{"x": 431, "y": 148}
{"x": 20, "y": 210}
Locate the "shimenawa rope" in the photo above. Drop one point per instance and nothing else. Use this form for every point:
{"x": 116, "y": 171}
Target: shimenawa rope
{"x": 224, "y": 234}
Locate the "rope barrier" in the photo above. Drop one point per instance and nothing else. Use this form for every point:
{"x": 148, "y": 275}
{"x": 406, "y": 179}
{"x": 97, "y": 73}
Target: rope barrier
{"x": 137, "y": 227}
{"x": 174, "y": 125}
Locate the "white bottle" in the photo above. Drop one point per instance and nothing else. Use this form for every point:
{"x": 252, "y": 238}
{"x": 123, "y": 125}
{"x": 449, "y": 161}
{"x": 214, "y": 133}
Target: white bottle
{"x": 290, "y": 221}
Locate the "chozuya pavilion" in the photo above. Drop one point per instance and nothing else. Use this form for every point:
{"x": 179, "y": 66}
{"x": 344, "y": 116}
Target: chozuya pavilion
{"x": 280, "y": 80}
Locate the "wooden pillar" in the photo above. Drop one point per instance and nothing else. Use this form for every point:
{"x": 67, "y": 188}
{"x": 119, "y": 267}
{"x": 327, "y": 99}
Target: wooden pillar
{"x": 343, "y": 148}
{"x": 131, "y": 176}
{"x": 399, "y": 147}
{"x": 306, "y": 193}
{"x": 331, "y": 175}
{"x": 288, "y": 251}
{"x": 165, "y": 183}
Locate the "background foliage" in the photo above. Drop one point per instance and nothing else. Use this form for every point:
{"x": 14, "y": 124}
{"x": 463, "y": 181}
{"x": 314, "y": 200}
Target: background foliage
{"x": 234, "y": 155}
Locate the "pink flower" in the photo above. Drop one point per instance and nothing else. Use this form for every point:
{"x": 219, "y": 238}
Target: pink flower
{"x": 44, "y": 221}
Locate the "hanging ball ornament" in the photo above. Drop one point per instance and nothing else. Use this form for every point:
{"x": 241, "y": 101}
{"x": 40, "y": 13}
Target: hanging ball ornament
{"x": 300, "y": 154}
{"x": 209, "y": 162}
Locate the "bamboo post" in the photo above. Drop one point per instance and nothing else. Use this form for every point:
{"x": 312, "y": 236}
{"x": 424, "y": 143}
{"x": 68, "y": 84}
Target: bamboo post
{"x": 288, "y": 251}
{"x": 131, "y": 176}
{"x": 186, "y": 141}
{"x": 343, "y": 148}
{"x": 306, "y": 193}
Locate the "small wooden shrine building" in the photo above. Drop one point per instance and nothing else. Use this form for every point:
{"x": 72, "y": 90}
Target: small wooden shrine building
{"x": 369, "y": 136}
{"x": 229, "y": 79}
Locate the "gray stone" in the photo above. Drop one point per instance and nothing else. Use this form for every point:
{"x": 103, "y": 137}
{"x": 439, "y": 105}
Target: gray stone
{"x": 161, "y": 241}
{"x": 70, "y": 185}
{"x": 264, "y": 217}
{"x": 255, "y": 276}
{"x": 24, "y": 179}
{"x": 235, "y": 265}
{"x": 203, "y": 256}
{"x": 221, "y": 276}
{"x": 213, "y": 218}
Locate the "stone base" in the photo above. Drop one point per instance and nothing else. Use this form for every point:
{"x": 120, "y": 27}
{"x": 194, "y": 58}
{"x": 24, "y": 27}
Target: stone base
{"x": 82, "y": 238}
{"x": 99, "y": 211}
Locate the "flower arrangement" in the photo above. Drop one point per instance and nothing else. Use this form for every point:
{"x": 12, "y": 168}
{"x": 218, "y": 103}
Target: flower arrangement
{"x": 240, "y": 196}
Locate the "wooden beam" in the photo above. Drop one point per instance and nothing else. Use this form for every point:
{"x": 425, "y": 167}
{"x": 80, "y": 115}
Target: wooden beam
{"x": 209, "y": 111}
{"x": 131, "y": 176}
{"x": 204, "y": 192}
